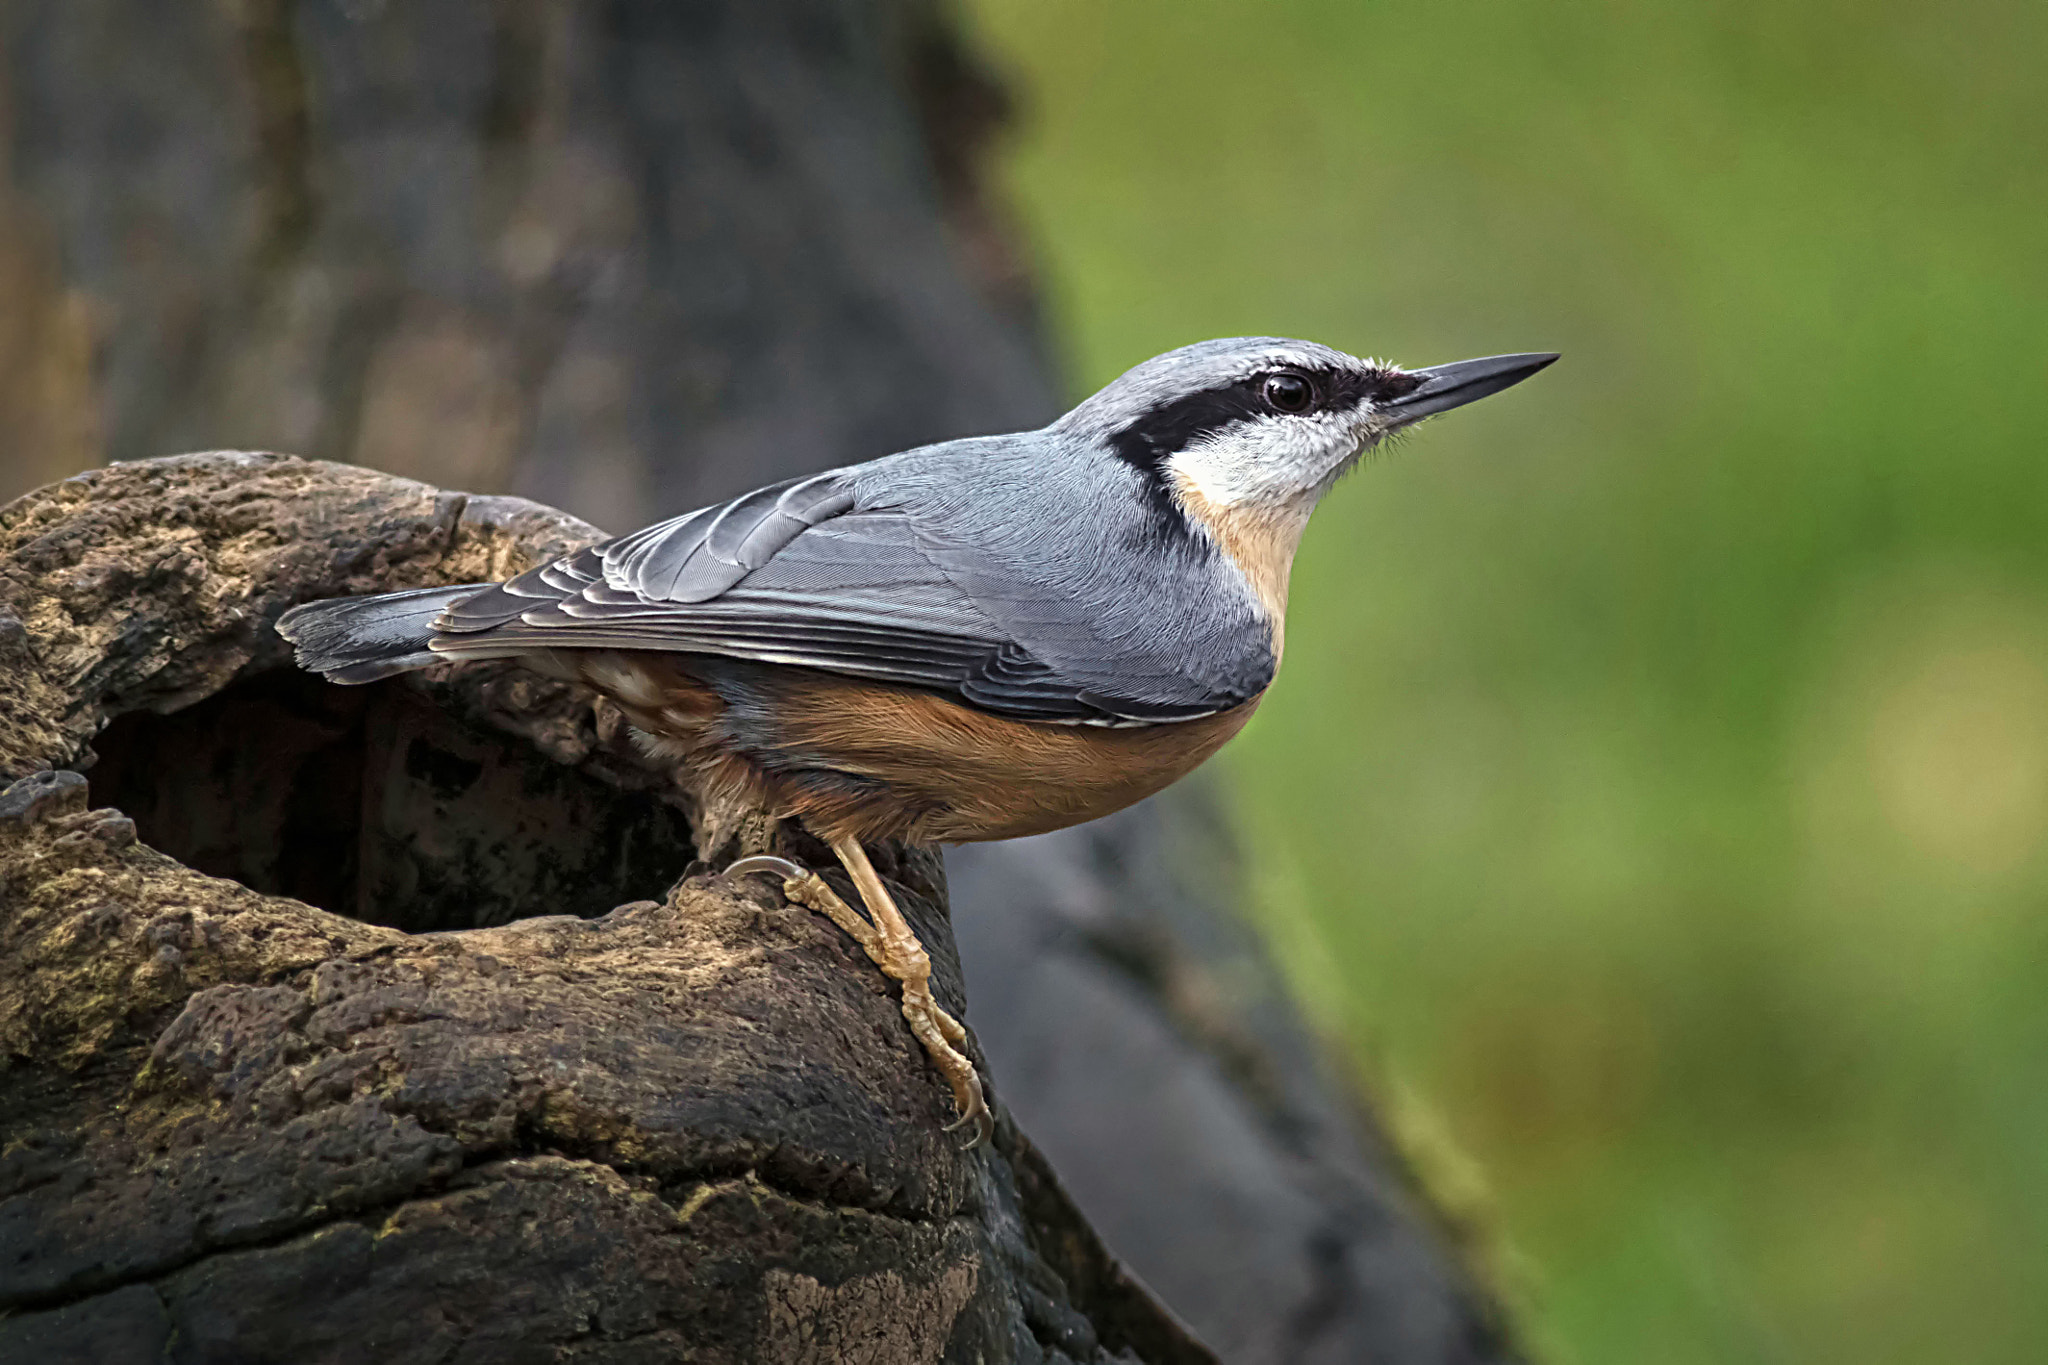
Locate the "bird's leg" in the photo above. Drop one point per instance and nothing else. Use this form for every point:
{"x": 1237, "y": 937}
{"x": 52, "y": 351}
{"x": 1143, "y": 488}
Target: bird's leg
{"x": 904, "y": 958}
{"x": 890, "y": 944}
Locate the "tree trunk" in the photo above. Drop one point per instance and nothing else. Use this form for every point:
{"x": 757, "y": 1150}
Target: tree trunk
{"x": 627, "y": 257}
{"x": 243, "y": 1127}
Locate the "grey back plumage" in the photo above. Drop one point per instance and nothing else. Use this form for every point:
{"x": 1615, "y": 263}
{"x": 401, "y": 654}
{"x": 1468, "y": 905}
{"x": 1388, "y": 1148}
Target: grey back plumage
{"x": 1001, "y": 569}
{"x": 1130, "y": 609}
{"x": 1034, "y": 575}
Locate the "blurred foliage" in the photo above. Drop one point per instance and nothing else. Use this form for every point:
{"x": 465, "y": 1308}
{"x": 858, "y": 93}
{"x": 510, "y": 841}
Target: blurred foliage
{"x": 1658, "y": 781}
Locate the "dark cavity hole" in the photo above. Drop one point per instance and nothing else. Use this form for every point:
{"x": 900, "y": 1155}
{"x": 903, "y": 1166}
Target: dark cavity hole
{"x": 376, "y": 804}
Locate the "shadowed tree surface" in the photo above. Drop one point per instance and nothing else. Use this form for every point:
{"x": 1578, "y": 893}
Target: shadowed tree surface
{"x": 626, "y": 258}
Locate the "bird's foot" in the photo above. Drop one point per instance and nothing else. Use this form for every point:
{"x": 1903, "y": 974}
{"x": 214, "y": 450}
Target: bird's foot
{"x": 901, "y": 956}
{"x": 943, "y": 1038}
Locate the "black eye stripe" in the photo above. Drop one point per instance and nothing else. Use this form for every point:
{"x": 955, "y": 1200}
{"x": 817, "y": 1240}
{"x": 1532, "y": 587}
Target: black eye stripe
{"x": 1149, "y": 442}
{"x": 1154, "y": 438}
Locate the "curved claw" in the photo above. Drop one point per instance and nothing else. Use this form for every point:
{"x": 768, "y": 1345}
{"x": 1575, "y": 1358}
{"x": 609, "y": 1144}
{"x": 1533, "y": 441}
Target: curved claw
{"x": 974, "y": 1110}
{"x": 769, "y": 863}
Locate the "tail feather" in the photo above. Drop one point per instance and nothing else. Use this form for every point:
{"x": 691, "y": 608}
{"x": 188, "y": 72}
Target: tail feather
{"x": 362, "y": 639}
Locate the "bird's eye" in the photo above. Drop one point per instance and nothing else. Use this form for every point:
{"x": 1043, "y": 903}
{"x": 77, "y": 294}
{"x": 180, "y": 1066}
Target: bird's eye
{"x": 1289, "y": 392}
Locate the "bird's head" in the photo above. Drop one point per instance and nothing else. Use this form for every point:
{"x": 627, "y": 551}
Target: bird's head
{"x": 1262, "y": 422}
{"x": 1245, "y": 435}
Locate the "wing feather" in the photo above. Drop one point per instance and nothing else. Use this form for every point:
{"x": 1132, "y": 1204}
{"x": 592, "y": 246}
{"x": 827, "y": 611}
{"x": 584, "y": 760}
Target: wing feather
{"x": 794, "y": 574}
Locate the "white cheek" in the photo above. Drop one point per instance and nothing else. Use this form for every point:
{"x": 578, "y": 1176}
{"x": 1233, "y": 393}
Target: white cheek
{"x": 1272, "y": 462}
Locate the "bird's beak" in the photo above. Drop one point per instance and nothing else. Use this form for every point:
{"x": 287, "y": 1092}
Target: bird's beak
{"x": 1462, "y": 381}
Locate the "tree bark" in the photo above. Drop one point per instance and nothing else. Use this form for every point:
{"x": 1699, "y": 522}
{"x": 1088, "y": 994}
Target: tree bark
{"x": 627, "y": 257}
{"x": 241, "y": 1127}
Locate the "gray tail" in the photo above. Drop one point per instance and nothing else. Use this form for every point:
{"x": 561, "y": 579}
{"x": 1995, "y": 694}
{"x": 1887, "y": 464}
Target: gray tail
{"x": 362, "y": 639}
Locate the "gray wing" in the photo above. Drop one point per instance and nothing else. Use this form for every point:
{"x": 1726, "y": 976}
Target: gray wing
{"x": 793, "y": 574}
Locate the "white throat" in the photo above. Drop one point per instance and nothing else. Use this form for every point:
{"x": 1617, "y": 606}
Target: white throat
{"x": 1252, "y": 489}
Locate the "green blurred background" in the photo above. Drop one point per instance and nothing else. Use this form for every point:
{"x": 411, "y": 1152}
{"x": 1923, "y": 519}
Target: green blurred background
{"x": 1657, "y": 788}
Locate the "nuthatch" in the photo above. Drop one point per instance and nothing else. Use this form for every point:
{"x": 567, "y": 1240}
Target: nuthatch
{"x": 980, "y": 639}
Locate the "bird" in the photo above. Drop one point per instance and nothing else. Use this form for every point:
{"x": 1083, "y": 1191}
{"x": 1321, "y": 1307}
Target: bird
{"x": 979, "y": 639}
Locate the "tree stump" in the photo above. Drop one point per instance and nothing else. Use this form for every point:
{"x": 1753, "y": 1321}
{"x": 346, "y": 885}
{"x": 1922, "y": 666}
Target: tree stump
{"x": 395, "y": 1023}
{"x": 630, "y": 257}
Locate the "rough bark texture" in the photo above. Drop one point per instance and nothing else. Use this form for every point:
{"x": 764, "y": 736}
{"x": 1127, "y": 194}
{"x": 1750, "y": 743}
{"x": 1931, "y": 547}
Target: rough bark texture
{"x": 239, "y": 1127}
{"x": 627, "y": 256}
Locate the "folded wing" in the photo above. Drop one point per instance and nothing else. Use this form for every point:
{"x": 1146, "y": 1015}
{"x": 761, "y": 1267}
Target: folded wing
{"x": 795, "y": 574}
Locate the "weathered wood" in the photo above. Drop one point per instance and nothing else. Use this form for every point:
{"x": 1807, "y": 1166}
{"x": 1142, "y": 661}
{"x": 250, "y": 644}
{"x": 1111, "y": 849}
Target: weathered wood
{"x": 239, "y": 1126}
{"x": 628, "y": 256}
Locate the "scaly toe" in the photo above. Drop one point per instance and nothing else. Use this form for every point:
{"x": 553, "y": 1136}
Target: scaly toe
{"x": 948, "y": 1025}
{"x": 937, "y": 1030}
